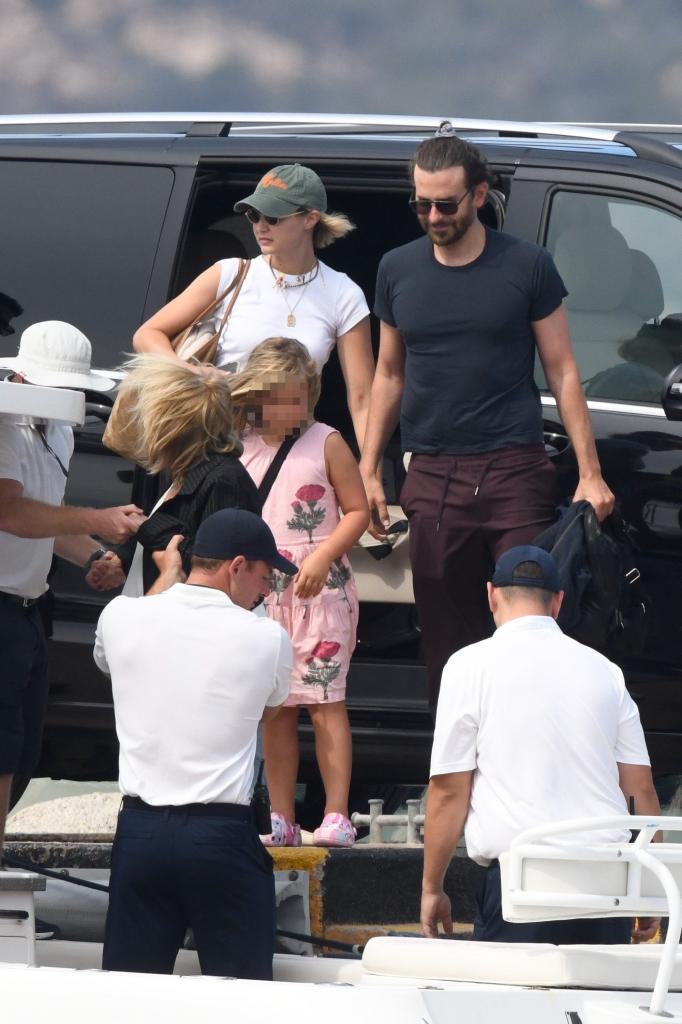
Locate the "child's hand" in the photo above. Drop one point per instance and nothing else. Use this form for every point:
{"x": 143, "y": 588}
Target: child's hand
{"x": 312, "y": 575}
{"x": 106, "y": 573}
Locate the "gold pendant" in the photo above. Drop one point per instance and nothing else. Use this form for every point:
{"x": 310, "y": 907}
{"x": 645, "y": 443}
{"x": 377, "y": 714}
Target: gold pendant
{"x": 291, "y": 320}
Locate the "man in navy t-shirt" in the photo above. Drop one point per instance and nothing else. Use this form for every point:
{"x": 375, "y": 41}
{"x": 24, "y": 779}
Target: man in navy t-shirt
{"x": 462, "y": 312}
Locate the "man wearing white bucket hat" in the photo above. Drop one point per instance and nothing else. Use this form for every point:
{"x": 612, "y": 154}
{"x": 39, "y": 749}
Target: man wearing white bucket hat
{"x": 34, "y": 460}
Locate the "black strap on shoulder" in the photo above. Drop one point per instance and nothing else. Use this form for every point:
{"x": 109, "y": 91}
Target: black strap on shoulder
{"x": 40, "y": 430}
{"x": 275, "y": 466}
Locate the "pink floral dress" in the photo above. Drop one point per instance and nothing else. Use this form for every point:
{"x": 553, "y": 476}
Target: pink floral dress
{"x": 301, "y": 510}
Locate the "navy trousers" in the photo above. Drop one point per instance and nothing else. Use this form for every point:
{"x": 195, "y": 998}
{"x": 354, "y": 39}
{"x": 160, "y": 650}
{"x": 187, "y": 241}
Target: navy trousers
{"x": 490, "y": 926}
{"x": 23, "y": 687}
{"x": 172, "y": 869}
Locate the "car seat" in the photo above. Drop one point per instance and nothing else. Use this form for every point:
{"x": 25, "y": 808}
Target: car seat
{"x": 613, "y": 291}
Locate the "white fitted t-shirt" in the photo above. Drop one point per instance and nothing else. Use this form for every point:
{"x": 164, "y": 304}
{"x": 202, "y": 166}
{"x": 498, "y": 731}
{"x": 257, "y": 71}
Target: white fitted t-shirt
{"x": 325, "y": 309}
{"x": 543, "y": 721}
{"x": 25, "y": 562}
{"x": 191, "y": 673}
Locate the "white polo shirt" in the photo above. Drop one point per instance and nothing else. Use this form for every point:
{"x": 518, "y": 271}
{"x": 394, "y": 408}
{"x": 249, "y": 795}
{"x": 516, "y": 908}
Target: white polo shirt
{"x": 191, "y": 673}
{"x": 543, "y": 721}
{"x": 25, "y": 562}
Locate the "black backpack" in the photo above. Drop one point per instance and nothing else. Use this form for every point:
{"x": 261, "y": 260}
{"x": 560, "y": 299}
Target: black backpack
{"x": 604, "y": 603}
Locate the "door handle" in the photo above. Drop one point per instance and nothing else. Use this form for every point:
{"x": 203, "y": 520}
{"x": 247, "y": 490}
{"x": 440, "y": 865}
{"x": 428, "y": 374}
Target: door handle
{"x": 555, "y": 443}
{"x": 99, "y": 410}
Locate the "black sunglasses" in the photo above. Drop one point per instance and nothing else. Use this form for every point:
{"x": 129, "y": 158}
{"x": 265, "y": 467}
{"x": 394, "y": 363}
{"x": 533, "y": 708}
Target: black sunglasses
{"x": 422, "y": 207}
{"x": 255, "y": 216}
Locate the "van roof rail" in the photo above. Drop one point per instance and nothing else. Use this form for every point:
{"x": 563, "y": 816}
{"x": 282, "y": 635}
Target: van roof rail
{"x": 633, "y": 126}
{"x": 258, "y": 121}
{"x": 641, "y": 139}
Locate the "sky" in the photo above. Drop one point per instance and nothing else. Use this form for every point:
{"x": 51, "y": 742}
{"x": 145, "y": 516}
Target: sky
{"x": 593, "y": 60}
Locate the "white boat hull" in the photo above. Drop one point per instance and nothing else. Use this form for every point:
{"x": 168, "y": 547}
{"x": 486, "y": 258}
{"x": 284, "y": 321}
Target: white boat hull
{"x": 402, "y": 980}
{"x": 311, "y": 991}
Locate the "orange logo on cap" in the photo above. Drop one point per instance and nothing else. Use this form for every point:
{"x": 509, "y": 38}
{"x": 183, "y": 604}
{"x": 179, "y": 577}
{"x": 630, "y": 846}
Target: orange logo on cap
{"x": 272, "y": 179}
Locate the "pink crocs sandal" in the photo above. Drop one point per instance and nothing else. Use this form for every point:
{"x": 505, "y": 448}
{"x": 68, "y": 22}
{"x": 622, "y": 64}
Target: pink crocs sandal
{"x": 335, "y": 830}
{"x": 283, "y": 832}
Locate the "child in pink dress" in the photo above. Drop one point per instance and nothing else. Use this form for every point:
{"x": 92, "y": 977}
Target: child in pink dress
{"x": 276, "y": 393}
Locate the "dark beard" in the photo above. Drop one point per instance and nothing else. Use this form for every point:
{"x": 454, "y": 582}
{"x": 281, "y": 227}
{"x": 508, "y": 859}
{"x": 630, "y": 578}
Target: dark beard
{"x": 449, "y": 237}
{"x": 453, "y": 232}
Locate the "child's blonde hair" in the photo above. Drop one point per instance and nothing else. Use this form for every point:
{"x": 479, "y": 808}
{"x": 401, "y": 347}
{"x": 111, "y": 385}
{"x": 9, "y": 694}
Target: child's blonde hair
{"x": 270, "y": 364}
{"x": 177, "y": 416}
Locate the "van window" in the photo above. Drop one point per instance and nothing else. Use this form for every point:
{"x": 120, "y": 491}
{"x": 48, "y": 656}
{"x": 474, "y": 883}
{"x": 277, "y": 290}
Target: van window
{"x": 619, "y": 259}
{"x": 78, "y": 244}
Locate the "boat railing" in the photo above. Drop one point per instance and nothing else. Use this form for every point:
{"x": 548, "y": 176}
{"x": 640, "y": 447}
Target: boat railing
{"x": 412, "y": 821}
{"x": 544, "y": 879}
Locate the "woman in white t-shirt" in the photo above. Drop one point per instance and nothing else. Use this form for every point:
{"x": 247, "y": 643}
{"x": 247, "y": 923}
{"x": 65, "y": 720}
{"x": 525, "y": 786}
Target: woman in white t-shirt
{"x": 287, "y": 291}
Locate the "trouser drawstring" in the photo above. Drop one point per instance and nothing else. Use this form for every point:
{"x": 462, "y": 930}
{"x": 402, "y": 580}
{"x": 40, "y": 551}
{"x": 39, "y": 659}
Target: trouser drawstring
{"x": 487, "y": 466}
{"x": 444, "y": 491}
{"x": 446, "y": 483}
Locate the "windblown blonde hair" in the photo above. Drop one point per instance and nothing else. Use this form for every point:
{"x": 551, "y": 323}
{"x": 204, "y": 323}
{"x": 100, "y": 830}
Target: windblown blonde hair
{"x": 177, "y": 417}
{"x": 330, "y": 227}
{"x": 273, "y": 362}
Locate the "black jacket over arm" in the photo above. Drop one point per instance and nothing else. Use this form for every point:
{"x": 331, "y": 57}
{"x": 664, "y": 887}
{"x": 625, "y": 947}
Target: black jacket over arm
{"x": 220, "y": 481}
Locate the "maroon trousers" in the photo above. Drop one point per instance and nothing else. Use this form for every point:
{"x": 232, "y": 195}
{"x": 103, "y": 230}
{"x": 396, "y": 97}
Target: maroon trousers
{"x": 464, "y": 511}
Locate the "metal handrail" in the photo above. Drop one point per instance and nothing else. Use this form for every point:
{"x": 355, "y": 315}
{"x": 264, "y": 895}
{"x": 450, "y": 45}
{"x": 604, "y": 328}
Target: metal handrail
{"x": 532, "y": 843}
{"x": 413, "y": 821}
{"x": 258, "y": 120}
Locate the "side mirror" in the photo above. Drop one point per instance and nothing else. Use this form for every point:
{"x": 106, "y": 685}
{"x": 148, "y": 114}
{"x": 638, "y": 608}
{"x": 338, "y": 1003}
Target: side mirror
{"x": 671, "y": 395}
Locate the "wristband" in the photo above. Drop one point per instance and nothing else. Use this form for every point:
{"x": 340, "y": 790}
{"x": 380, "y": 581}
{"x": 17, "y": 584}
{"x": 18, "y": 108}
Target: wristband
{"x": 94, "y": 557}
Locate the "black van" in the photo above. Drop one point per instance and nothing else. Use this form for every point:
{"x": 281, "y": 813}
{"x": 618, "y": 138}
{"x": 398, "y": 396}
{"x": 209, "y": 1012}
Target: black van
{"x": 106, "y": 217}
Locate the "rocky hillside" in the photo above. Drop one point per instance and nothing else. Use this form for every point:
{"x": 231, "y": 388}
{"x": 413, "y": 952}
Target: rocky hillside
{"x": 553, "y": 59}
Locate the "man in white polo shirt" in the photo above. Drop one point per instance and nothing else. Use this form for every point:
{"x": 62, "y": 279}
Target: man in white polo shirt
{"x": 34, "y": 463}
{"x": 193, "y": 672}
{"x": 532, "y": 727}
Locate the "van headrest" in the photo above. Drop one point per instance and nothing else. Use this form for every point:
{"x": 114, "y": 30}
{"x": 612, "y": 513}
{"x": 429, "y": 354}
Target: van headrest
{"x": 646, "y": 293}
{"x": 596, "y": 265}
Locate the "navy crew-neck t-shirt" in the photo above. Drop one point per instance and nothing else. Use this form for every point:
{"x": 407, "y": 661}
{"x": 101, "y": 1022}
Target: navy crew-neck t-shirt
{"x": 469, "y": 343}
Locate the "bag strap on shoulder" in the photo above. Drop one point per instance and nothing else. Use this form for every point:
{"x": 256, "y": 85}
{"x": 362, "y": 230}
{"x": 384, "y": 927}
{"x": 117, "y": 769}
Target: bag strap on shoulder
{"x": 274, "y": 467}
{"x": 235, "y": 287}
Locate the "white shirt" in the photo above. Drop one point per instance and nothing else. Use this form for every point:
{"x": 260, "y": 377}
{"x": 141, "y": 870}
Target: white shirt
{"x": 325, "y": 309}
{"x": 191, "y": 673}
{"x": 134, "y": 582}
{"x": 543, "y": 721}
{"x": 25, "y": 562}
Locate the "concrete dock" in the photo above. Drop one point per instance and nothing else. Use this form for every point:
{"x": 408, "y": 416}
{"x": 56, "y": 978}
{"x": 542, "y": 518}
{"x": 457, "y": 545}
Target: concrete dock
{"x": 353, "y": 894}
{"x": 371, "y": 889}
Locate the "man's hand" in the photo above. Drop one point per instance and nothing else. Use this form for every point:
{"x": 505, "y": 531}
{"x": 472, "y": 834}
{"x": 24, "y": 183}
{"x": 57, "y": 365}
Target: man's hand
{"x": 117, "y": 524}
{"x": 169, "y": 564}
{"x": 637, "y": 786}
{"x": 598, "y": 494}
{"x": 106, "y": 573}
{"x": 645, "y": 928}
{"x": 435, "y": 908}
{"x": 379, "y": 520}
{"x": 312, "y": 575}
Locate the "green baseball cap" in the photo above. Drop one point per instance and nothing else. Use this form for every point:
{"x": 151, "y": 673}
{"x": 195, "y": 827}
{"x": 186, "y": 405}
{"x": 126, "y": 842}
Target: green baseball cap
{"x": 285, "y": 190}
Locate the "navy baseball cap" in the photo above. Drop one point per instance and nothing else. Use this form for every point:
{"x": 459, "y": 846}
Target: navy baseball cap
{"x": 510, "y": 570}
{"x": 232, "y": 532}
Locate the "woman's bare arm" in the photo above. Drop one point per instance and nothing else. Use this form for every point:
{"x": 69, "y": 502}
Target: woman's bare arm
{"x": 155, "y": 334}
{"x": 357, "y": 364}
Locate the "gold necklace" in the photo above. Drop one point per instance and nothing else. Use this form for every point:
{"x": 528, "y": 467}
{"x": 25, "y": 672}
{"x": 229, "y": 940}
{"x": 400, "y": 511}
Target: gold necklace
{"x": 281, "y": 285}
